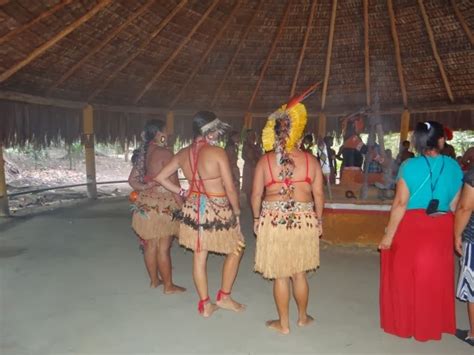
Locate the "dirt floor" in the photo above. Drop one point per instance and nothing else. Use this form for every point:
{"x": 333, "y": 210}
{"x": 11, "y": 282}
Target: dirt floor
{"x": 52, "y": 167}
{"x": 73, "y": 282}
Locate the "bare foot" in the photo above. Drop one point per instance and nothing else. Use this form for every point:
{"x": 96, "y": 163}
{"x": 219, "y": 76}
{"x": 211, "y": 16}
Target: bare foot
{"x": 209, "y": 308}
{"x": 304, "y": 321}
{"x": 276, "y": 325}
{"x": 155, "y": 284}
{"x": 229, "y": 304}
{"x": 171, "y": 289}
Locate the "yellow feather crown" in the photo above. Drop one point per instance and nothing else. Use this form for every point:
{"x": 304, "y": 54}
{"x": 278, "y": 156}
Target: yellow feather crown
{"x": 298, "y": 118}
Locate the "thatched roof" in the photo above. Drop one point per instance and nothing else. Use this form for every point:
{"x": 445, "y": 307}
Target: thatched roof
{"x": 240, "y": 56}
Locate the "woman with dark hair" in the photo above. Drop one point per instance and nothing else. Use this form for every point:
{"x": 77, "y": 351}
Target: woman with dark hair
{"x": 417, "y": 273}
{"x": 153, "y": 205}
{"x": 209, "y": 220}
{"x": 288, "y": 222}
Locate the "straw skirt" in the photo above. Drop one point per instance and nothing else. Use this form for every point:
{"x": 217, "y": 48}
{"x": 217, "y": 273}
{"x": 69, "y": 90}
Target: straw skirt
{"x": 208, "y": 223}
{"x": 287, "y": 240}
{"x": 153, "y": 214}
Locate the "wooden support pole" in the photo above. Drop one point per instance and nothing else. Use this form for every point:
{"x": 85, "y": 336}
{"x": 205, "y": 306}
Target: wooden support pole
{"x": 236, "y": 53}
{"x": 4, "y": 210}
{"x": 309, "y": 24}
{"x": 366, "y": 53}
{"x": 398, "y": 57}
{"x": 269, "y": 55}
{"x": 52, "y": 41}
{"x": 101, "y": 45}
{"x": 434, "y": 48}
{"x": 88, "y": 142}
{"x": 462, "y": 21}
{"x": 175, "y": 53}
{"x": 404, "y": 126}
{"x": 248, "y": 120}
{"x": 322, "y": 119}
{"x": 34, "y": 21}
{"x": 206, "y": 53}
{"x": 329, "y": 54}
{"x": 104, "y": 83}
{"x": 170, "y": 122}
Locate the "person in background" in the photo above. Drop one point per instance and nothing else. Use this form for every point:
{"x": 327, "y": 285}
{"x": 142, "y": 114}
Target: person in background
{"x": 251, "y": 153}
{"x": 307, "y": 144}
{"x": 404, "y": 153}
{"x": 417, "y": 269}
{"x": 209, "y": 218}
{"x": 329, "y": 141}
{"x": 468, "y": 159}
{"x": 232, "y": 150}
{"x": 448, "y": 149}
{"x": 153, "y": 206}
{"x": 288, "y": 222}
{"x": 464, "y": 245}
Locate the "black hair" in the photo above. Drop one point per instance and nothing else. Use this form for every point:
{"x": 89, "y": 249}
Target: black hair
{"x": 406, "y": 144}
{"x": 201, "y": 119}
{"x": 426, "y": 136}
{"x": 152, "y": 127}
{"x": 327, "y": 139}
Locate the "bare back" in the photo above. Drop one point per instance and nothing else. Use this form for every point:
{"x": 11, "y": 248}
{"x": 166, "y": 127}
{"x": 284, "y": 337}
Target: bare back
{"x": 211, "y": 162}
{"x": 156, "y": 158}
{"x": 307, "y": 177}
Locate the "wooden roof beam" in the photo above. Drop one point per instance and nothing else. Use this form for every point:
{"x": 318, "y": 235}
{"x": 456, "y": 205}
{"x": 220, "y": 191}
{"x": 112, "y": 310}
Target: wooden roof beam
{"x": 327, "y": 69}
{"x": 204, "y": 56}
{"x": 236, "y": 53}
{"x": 269, "y": 55}
{"x": 52, "y": 41}
{"x": 303, "y": 47}
{"x": 165, "y": 65}
{"x": 101, "y": 45}
{"x": 462, "y": 21}
{"x": 367, "y": 53}
{"x": 106, "y": 82}
{"x": 434, "y": 48}
{"x": 398, "y": 56}
{"x": 34, "y": 21}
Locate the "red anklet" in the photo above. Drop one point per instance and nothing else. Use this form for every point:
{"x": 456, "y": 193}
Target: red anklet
{"x": 201, "y": 304}
{"x": 222, "y": 293}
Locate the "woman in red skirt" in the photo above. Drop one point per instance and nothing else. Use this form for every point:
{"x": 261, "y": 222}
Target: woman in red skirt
{"x": 417, "y": 269}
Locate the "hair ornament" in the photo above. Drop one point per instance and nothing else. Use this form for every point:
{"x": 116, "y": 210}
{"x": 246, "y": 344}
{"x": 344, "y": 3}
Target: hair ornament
{"x": 215, "y": 125}
{"x": 428, "y": 125}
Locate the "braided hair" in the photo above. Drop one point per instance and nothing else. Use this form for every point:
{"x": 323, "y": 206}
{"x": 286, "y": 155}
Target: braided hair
{"x": 152, "y": 127}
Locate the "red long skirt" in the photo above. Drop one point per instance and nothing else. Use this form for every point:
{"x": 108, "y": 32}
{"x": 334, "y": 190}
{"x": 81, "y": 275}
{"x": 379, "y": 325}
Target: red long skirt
{"x": 417, "y": 278}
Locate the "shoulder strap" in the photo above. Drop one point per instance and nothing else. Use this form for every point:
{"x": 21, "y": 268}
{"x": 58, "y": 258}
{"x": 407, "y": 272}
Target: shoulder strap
{"x": 270, "y": 167}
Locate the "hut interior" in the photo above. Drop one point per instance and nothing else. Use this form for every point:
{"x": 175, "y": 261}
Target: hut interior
{"x": 98, "y": 69}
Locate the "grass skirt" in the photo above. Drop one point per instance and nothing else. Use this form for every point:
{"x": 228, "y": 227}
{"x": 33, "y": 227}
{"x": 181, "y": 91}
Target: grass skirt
{"x": 153, "y": 212}
{"x": 287, "y": 241}
{"x": 216, "y": 230}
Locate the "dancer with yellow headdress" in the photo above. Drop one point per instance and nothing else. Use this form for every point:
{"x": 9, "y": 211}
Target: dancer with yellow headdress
{"x": 288, "y": 221}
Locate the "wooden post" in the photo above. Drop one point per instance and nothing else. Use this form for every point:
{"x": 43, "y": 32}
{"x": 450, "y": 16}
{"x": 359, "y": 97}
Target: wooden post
{"x": 248, "y": 120}
{"x": 404, "y": 126}
{"x": 322, "y": 125}
{"x": 4, "y": 211}
{"x": 88, "y": 142}
{"x": 170, "y": 122}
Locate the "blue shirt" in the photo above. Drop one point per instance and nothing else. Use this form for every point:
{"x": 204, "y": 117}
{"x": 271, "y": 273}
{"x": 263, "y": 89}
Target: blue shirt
{"x": 416, "y": 174}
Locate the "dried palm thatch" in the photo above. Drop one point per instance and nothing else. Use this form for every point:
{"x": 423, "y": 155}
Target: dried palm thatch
{"x": 232, "y": 56}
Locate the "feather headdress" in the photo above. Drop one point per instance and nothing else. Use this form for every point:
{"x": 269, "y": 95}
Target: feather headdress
{"x": 215, "y": 126}
{"x": 291, "y": 119}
